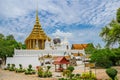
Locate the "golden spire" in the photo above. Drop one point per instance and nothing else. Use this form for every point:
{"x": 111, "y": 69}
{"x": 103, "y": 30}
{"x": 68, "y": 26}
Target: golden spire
{"x": 37, "y": 38}
{"x": 37, "y": 18}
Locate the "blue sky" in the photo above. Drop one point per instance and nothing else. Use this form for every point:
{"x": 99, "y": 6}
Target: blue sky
{"x": 78, "y": 20}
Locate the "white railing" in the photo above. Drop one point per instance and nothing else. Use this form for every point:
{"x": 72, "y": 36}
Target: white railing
{"x": 41, "y": 52}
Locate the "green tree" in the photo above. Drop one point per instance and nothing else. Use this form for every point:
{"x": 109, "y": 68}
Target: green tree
{"x": 110, "y": 33}
{"x": 116, "y": 58}
{"x": 23, "y": 46}
{"x": 1, "y": 36}
{"x": 7, "y": 45}
{"x": 102, "y": 57}
{"x": 118, "y": 15}
{"x": 10, "y": 37}
{"x": 90, "y": 48}
{"x": 106, "y": 57}
{"x": 98, "y": 46}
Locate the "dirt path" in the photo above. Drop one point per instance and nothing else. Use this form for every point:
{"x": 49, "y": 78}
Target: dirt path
{"x": 7, "y": 75}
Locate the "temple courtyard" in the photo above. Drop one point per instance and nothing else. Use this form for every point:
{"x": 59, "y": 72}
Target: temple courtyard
{"x": 56, "y": 51}
{"x": 8, "y": 75}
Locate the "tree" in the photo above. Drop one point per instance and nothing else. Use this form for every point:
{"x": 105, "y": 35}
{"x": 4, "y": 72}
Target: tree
{"x": 1, "y": 36}
{"x": 106, "y": 57}
{"x": 98, "y": 46}
{"x": 102, "y": 57}
{"x": 7, "y": 45}
{"x": 118, "y": 15}
{"x": 10, "y": 37}
{"x": 110, "y": 33}
{"x": 116, "y": 58}
{"x": 90, "y": 48}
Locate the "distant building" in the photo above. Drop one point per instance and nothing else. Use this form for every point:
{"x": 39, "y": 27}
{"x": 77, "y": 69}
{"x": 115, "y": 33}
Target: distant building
{"x": 78, "y": 46}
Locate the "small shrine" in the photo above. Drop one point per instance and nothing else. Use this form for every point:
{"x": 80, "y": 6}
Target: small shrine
{"x": 60, "y": 61}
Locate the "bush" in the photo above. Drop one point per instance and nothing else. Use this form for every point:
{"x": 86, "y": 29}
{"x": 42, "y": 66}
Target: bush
{"x": 111, "y": 72}
{"x": 12, "y": 68}
{"x": 30, "y": 70}
{"x": 77, "y": 76}
{"x": 66, "y": 73}
{"x": 44, "y": 74}
{"x": 40, "y": 73}
{"x": 30, "y": 67}
{"x": 49, "y": 74}
{"x": 20, "y": 65}
{"x": 62, "y": 79}
{"x": 20, "y": 69}
{"x": 88, "y": 75}
{"x": 33, "y": 71}
{"x": 8, "y": 67}
{"x": 71, "y": 68}
{"x": 48, "y": 68}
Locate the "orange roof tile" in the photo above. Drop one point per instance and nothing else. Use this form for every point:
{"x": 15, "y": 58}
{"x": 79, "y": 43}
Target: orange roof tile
{"x": 79, "y": 46}
{"x": 77, "y": 54}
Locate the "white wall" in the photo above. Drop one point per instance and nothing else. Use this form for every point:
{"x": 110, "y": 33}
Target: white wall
{"x": 24, "y": 60}
{"x": 26, "y": 57}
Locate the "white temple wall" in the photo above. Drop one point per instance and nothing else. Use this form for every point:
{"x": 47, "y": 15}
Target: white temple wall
{"x": 26, "y": 57}
{"x": 24, "y": 60}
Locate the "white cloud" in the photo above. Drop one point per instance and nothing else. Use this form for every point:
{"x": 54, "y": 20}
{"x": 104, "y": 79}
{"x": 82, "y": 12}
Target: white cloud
{"x": 80, "y": 36}
{"x": 18, "y": 17}
{"x": 88, "y": 36}
{"x": 92, "y": 12}
{"x": 62, "y": 34}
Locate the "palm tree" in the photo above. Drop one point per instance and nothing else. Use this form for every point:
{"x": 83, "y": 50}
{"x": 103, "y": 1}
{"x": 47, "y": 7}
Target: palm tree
{"x": 118, "y": 15}
{"x": 105, "y": 34}
{"x": 111, "y": 32}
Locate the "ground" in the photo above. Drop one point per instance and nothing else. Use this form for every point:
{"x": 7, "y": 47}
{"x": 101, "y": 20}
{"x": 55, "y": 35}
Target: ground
{"x": 7, "y": 75}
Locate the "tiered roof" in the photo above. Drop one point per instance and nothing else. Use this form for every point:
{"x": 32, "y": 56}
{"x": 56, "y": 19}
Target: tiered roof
{"x": 37, "y": 31}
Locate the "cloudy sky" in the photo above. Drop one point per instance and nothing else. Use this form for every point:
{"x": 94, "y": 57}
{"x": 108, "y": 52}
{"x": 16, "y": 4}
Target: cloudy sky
{"x": 78, "y": 20}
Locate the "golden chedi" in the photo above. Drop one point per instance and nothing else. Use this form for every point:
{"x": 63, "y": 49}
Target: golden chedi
{"x": 37, "y": 38}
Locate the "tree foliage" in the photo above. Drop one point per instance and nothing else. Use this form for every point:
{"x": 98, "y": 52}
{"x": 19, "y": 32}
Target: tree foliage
{"x": 106, "y": 57}
{"x": 118, "y": 15}
{"x": 111, "y": 32}
{"x": 89, "y": 49}
{"x": 7, "y": 45}
{"x": 1, "y": 36}
{"x": 112, "y": 73}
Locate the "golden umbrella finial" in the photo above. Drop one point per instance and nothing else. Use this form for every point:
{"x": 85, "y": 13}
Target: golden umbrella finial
{"x": 37, "y": 18}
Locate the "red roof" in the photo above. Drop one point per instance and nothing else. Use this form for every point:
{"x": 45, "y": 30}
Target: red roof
{"x": 61, "y": 60}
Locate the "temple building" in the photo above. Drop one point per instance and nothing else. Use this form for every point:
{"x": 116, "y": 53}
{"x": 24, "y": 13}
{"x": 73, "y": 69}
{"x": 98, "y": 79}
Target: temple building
{"x": 37, "y": 38}
{"x": 41, "y": 49}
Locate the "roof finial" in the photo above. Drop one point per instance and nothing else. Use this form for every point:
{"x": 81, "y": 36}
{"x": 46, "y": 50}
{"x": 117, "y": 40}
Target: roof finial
{"x": 37, "y": 18}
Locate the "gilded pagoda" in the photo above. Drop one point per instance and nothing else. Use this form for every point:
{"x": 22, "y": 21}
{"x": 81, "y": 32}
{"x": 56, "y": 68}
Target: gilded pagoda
{"x": 37, "y": 38}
